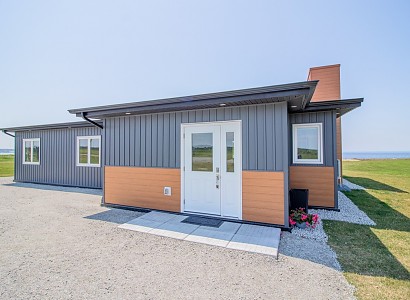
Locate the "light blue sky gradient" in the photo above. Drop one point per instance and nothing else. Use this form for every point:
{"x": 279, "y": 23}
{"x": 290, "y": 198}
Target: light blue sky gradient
{"x": 56, "y": 55}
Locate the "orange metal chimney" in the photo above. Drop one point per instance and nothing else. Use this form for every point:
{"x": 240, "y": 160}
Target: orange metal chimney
{"x": 328, "y": 88}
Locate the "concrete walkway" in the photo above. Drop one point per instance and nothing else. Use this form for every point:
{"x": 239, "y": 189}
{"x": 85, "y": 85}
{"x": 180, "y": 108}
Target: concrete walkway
{"x": 246, "y": 237}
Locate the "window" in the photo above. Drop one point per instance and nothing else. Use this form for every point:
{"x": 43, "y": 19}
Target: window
{"x": 230, "y": 152}
{"x": 89, "y": 151}
{"x": 31, "y": 151}
{"x": 307, "y": 143}
{"x": 202, "y": 152}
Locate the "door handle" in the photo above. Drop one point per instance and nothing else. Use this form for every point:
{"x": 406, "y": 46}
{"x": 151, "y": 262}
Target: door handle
{"x": 217, "y": 181}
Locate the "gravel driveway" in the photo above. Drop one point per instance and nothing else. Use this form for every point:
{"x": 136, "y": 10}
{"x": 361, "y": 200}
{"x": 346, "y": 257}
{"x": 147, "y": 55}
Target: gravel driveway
{"x": 58, "y": 243}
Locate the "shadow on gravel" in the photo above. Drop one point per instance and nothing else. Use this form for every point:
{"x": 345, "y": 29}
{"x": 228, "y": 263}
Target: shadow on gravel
{"x": 119, "y": 216}
{"x": 373, "y": 184}
{"x": 88, "y": 191}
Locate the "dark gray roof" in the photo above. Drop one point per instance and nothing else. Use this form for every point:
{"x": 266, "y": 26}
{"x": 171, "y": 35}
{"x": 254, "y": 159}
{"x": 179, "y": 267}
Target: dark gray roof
{"x": 297, "y": 95}
{"x": 50, "y": 126}
{"x": 342, "y": 106}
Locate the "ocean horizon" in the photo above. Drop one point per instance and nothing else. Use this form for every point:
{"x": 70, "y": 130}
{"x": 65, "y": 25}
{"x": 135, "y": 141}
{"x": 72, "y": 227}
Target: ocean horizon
{"x": 376, "y": 155}
{"x": 6, "y": 151}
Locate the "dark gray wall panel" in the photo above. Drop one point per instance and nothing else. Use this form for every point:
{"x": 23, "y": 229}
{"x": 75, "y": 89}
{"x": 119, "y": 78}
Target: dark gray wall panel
{"x": 154, "y": 140}
{"x": 328, "y": 119}
{"x": 57, "y": 158}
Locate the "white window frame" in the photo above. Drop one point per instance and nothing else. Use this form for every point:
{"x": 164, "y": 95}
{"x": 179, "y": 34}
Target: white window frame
{"x": 31, "y": 162}
{"x": 319, "y": 128}
{"x": 88, "y": 138}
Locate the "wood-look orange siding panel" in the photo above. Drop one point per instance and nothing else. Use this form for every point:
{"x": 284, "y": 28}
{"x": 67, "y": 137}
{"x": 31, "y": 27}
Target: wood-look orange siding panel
{"x": 328, "y": 87}
{"x": 142, "y": 187}
{"x": 263, "y": 198}
{"x": 319, "y": 180}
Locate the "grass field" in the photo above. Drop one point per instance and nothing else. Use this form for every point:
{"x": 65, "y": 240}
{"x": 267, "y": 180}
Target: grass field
{"x": 6, "y": 165}
{"x": 376, "y": 260}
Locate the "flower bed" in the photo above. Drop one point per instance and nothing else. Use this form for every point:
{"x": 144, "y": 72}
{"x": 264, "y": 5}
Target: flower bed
{"x": 300, "y": 218}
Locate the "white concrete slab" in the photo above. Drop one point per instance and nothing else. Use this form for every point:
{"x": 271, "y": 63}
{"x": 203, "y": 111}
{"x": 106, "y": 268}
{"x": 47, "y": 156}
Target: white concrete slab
{"x": 245, "y": 237}
{"x": 158, "y": 216}
{"x": 253, "y": 248}
{"x": 135, "y": 227}
{"x": 271, "y": 241}
{"x": 206, "y": 240}
{"x": 175, "y": 229}
{"x": 178, "y": 219}
{"x": 226, "y": 227}
{"x": 169, "y": 233}
{"x": 145, "y": 222}
{"x": 257, "y": 230}
{"x": 207, "y": 232}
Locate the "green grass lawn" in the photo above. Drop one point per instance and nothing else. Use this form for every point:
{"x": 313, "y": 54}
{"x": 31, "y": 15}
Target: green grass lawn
{"x": 376, "y": 259}
{"x": 6, "y": 165}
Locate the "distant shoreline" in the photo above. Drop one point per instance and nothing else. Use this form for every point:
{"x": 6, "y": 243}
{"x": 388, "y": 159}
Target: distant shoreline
{"x": 6, "y": 151}
{"x": 383, "y": 158}
{"x": 375, "y": 155}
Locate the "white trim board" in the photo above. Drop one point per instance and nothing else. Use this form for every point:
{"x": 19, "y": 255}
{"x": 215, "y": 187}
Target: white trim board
{"x": 297, "y": 160}
{"x": 88, "y": 138}
{"x": 31, "y": 140}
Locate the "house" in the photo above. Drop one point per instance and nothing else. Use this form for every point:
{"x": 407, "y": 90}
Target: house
{"x": 232, "y": 154}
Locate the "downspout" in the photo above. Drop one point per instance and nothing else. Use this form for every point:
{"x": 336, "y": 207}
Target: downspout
{"x": 91, "y": 121}
{"x": 9, "y": 134}
{"x": 102, "y": 154}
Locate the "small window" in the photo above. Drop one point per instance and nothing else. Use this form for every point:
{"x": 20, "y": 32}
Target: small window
{"x": 202, "y": 152}
{"x": 307, "y": 143}
{"x": 89, "y": 151}
{"x": 230, "y": 152}
{"x": 31, "y": 151}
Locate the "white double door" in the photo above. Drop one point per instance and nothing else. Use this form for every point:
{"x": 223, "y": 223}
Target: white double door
{"x": 212, "y": 166}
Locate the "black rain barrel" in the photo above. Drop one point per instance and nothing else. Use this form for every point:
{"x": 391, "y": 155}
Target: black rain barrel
{"x": 298, "y": 198}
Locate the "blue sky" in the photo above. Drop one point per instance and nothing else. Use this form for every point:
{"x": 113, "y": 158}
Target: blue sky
{"x": 56, "y": 55}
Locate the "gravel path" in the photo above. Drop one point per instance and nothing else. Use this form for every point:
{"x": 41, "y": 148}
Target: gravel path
{"x": 314, "y": 241}
{"x": 60, "y": 244}
{"x": 349, "y": 212}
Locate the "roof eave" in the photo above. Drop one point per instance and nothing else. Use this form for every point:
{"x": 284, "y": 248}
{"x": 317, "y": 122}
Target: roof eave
{"x": 49, "y": 126}
{"x": 231, "y": 98}
{"x": 342, "y": 106}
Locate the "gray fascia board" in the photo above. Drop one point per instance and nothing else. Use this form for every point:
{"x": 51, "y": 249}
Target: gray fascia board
{"x": 306, "y": 88}
{"x": 344, "y": 105}
{"x": 197, "y": 104}
{"x": 50, "y": 126}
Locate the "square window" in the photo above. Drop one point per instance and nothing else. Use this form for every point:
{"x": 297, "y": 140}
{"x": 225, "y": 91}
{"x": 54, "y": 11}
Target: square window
{"x": 31, "y": 151}
{"x": 88, "y": 151}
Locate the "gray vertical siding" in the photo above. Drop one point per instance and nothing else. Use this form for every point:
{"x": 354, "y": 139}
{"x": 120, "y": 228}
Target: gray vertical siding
{"x": 154, "y": 140}
{"x": 57, "y": 158}
{"x": 328, "y": 119}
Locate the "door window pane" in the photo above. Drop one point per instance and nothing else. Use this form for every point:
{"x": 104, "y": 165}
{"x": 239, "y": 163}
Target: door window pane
{"x": 308, "y": 143}
{"x": 27, "y": 151}
{"x": 83, "y": 151}
{"x": 95, "y": 151}
{"x": 202, "y": 152}
{"x": 36, "y": 151}
{"x": 230, "y": 152}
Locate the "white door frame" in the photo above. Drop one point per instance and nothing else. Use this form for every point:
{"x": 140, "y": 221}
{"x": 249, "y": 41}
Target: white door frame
{"x": 238, "y": 150}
